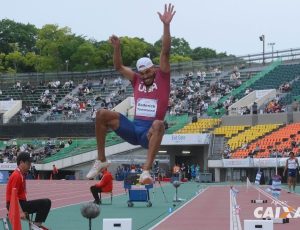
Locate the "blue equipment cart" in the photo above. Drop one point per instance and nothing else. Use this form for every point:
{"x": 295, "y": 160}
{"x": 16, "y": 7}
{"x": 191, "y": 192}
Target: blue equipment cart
{"x": 136, "y": 192}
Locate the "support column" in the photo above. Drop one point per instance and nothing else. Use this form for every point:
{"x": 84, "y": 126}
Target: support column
{"x": 217, "y": 175}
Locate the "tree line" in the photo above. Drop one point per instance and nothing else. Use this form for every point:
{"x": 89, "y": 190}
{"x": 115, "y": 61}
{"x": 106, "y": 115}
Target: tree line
{"x": 26, "y": 48}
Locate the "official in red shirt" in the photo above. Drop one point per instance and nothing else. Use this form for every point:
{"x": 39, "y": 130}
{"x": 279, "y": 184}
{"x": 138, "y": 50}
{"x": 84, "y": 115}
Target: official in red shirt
{"x": 17, "y": 180}
{"x": 54, "y": 172}
{"x": 104, "y": 185}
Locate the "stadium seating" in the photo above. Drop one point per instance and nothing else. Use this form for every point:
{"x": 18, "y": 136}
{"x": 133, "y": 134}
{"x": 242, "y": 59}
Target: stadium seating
{"x": 250, "y": 135}
{"x": 201, "y": 126}
{"x": 279, "y": 140}
{"x": 229, "y": 131}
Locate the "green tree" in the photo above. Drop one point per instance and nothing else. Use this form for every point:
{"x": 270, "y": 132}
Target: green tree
{"x": 179, "y": 46}
{"x": 31, "y": 61}
{"x": 84, "y": 57}
{"x": 203, "y": 53}
{"x": 178, "y": 58}
{"x": 53, "y": 45}
{"x": 13, "y": 32}
{"x": 14, "y": 59}
{"x": 133, "y": 49}
{"x": 103, "y": 55}
{"x": 2, "y": 62}
{"x": 222, "y": 55}
{"x": 70, "y": 47}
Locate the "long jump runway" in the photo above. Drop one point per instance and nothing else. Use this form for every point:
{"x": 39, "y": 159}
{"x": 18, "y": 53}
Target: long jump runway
{"x": 211, "y": 209}
{"x": 207, "y": 207}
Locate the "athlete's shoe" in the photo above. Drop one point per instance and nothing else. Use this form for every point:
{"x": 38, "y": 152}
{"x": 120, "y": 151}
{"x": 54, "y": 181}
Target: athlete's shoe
{"x": 145, "y": 178}
{"x": 98, "y": 202}
{"x": 95, "y": 170}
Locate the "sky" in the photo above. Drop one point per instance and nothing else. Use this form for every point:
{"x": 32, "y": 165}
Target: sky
{"x": 231, "y": 26}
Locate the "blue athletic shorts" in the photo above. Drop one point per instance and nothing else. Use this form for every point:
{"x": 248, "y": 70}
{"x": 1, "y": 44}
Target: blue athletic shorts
{"x": 134, "y": 132}
{"x": 292, "y": 172}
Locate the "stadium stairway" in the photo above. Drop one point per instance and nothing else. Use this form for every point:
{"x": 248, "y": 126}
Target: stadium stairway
{"x": 211, "y": 111}
{"x": 43, "y": 117}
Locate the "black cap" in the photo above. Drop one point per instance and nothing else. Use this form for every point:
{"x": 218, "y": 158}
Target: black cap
{"x": 23, "y": 156}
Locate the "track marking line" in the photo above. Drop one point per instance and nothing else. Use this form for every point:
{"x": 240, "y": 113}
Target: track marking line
{"x": 168, "y": 216}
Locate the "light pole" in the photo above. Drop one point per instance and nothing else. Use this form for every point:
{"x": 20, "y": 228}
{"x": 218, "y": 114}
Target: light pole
{"x": 67, "y": 65}
{"x": 262, "y": 38}
{"x": 86, "y": 64}
{"x": 272, "y": 45}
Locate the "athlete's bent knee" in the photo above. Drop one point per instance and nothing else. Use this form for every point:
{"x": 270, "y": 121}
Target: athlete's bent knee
{"x": 101, "y": 113}
{"x": 158, "y": 126}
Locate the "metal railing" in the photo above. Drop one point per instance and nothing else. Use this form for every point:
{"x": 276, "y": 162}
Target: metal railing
{"x": 244, "y": 61}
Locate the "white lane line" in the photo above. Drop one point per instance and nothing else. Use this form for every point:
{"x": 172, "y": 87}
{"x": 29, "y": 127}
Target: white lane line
{"x": 235, "y": 221}
{"x": 230, "y": 210}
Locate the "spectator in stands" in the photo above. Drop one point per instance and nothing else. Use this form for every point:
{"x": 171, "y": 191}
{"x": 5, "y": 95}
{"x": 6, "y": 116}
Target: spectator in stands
{"x": 70, "y": 141}
{"x": 244, "y": 146}
{"x": 292, "y": 167}
{"x": 284, "y": 153}
{"x": 295, "y": 105}
{"x": 61, "y": 144}
{"x": 151, "y": 94}
{"x": 293, "y": 143}
{"x": 17, "y": 180}
{"x": 272, "y": 153}
{"x": 285, "y": 87}
{"x": 18, "y": 85}
{"x": 255, "y": 151}
{"x": 104, "y": 185}
{"x": 132, "y": 168}
{"x": 227, "y": 152}
{"x": 254, "y": 108}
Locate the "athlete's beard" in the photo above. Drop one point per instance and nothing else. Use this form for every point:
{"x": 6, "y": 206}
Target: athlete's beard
{"x": 149, "y": 83}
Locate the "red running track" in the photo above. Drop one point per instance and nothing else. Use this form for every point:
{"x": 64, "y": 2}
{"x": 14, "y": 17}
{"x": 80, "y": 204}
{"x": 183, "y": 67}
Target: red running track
{"x": 210, "y": 210}
{"x": 247, "y": 208}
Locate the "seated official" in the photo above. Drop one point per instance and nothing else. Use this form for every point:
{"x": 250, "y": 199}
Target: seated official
{"x": 17, "y": 180}
{"x": 104, "y": 185}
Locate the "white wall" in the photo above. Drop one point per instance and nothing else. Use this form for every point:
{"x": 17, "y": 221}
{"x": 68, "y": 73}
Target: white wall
{"x": 259, "y": 96}
{"x": 9, "y": 109}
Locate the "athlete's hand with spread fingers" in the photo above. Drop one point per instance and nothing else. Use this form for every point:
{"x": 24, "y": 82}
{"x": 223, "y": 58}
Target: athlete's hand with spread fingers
{"x": 114, "y": 40}
{"x": 168, "y": 14}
